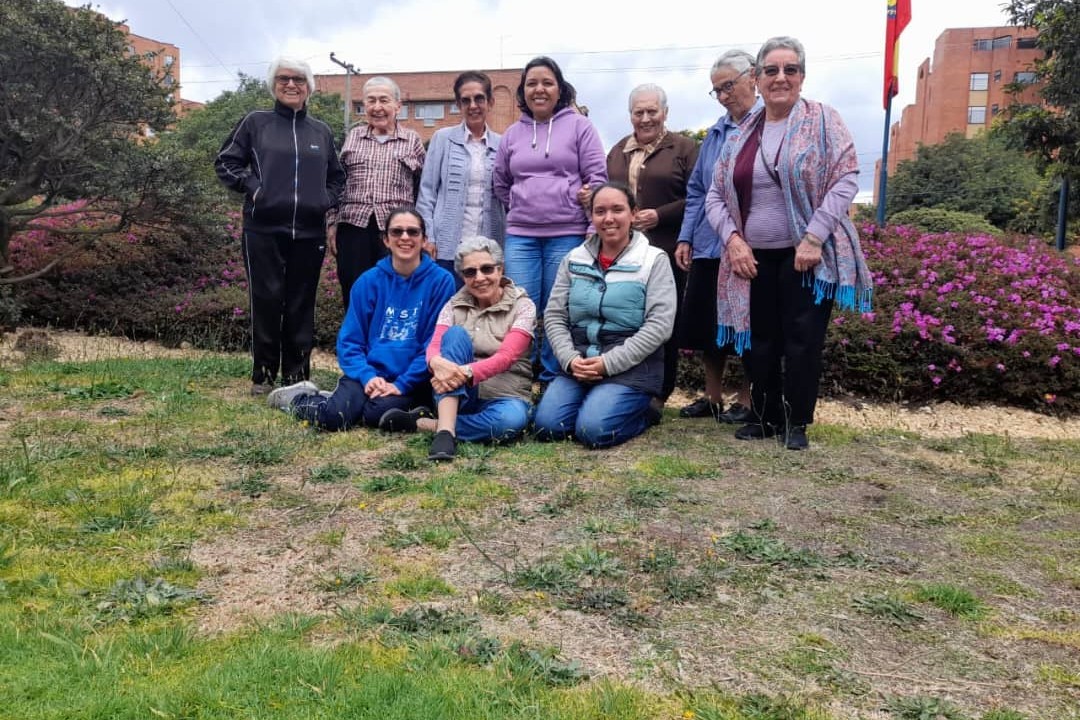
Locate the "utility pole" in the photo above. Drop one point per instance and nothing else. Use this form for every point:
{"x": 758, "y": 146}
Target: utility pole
{"x": 349, "y": 72}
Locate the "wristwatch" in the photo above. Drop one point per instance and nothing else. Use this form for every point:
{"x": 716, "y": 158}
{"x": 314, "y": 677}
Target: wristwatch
{"x": 468, "y": 373}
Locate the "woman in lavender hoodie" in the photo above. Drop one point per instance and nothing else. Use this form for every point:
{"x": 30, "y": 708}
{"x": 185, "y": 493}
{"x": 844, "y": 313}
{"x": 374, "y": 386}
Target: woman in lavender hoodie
{"x": 544, "y": 159}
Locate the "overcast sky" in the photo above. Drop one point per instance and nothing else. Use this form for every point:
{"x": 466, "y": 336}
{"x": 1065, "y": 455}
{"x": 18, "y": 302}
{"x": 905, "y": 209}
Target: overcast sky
{"x": 605, "y": 48}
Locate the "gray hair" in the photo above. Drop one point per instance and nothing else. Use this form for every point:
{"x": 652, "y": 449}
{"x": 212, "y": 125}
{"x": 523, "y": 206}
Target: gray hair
{"x": 782, "y": 42}
{"x": 648, "y": 89}
{"x": 738, "y": 60}
{"x": 290, "y": 63}
{"x": 476, "y": 244}
{"x": 383, "y": 81}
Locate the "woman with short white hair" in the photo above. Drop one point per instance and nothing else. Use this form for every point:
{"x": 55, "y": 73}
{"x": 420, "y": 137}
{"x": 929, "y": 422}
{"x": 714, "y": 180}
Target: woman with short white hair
{"x": 383, "y": 161}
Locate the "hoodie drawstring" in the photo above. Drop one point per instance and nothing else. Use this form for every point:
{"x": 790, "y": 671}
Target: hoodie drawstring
{"x": 547, "y": 145}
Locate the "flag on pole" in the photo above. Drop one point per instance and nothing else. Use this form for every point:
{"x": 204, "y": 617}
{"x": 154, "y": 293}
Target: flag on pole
{"x": 899, "y": 15}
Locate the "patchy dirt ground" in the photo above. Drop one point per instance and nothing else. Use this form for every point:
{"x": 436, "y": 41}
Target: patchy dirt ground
{"x": 935, "y": 420}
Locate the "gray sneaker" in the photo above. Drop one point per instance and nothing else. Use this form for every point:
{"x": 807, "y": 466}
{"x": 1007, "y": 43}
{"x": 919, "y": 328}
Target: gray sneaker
{"x": 283, "y": 397}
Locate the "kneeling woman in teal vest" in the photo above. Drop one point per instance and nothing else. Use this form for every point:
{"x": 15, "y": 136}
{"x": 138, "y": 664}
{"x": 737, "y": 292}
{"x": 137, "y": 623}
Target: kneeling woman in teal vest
{"x": 611, "y": 311}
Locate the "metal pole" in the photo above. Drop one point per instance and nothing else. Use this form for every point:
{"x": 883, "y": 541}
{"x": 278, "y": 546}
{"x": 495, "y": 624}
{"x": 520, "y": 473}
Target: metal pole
{"x": 884, "y": 174}
{"x": 1063, "y": 212}
{"x": 349, "y": 72}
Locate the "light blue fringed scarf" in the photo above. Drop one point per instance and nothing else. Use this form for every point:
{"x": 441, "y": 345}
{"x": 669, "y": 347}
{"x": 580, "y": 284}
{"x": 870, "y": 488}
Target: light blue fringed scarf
{"x": 818, "y": 150}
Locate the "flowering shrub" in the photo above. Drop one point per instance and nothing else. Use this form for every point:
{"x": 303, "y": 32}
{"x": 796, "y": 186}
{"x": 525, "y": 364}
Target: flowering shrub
{"x": 964, "y": 318}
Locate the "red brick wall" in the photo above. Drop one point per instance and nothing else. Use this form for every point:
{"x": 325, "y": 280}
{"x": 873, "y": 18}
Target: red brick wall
{"x": 141, "y": 46}
{"x": 433, "y": 87}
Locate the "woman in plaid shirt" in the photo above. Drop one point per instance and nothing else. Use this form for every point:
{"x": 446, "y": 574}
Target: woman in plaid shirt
{"x": 383, "y": 161}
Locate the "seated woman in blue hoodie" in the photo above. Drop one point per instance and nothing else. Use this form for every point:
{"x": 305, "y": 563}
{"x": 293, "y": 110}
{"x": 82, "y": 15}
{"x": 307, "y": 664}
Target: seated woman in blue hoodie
{"x": 392, "y": 312}
{"x": 611, "y": 311}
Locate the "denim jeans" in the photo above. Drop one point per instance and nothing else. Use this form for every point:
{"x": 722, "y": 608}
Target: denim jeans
{"x": 349, "y": 407}
{"x": 532, "y": 263}
{"x": 495, "y": 419}
{"x": 597, "y": 415}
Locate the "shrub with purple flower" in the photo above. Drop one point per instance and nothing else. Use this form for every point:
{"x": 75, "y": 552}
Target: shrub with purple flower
{"x": 971, "y": 319}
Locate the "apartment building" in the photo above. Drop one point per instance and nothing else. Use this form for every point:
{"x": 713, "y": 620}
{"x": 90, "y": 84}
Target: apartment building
{"x": 964, "y": 88}
{"x": 427, "y": 98}
{"x": 163, "y": 59}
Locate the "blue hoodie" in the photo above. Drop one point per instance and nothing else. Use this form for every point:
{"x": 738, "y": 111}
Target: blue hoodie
{"x": 390, "y": 321}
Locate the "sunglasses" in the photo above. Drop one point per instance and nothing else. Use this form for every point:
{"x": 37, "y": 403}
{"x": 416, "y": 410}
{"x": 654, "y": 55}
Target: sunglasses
{"x": 402, "y": 232}
{"x": 726, "y": 88}
{"x": 474, "y": 100}
{"x": 774, "y": 70}
{"x": 470, "y": 272}
{"x": 297, "y": 80}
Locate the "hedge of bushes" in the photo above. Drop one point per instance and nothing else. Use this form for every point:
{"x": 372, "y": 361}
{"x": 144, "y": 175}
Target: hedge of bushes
{"x": 964, "y": 317}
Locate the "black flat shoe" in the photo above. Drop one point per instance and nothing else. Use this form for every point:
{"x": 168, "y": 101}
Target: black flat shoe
{"x": 443, "y": 447}
{"x": 737, "y": 414}
{"x": 796, "y": 438}
{"x": 702, "y": 407}
{"x": 755, "y": 431}
{"x": 397, "y": 420}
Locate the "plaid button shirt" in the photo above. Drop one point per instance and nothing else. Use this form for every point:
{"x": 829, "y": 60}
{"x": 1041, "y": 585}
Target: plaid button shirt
{"x": 380, "y": 175}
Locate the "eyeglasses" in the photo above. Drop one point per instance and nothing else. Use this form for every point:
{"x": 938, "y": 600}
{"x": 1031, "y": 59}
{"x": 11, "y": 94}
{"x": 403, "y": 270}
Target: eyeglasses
{"x": 297, "y": 80}
{"x": 474, "y": 100}
{"x": 470, "y": 272}
{"x": 774, "y": 70}
{"x": 726, "y": 88}
{"x": 402, "y": 232}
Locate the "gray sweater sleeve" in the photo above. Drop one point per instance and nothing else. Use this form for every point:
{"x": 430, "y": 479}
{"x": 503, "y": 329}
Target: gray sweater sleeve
{"x": 557, "y": 317}
{"x": 660, "y": 296}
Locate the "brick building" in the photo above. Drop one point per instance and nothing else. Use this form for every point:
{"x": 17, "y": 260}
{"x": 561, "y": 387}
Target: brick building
{"x": 965, "y": 86}
{"x": 427, "y": 98}
{"x": 162, "y": 58}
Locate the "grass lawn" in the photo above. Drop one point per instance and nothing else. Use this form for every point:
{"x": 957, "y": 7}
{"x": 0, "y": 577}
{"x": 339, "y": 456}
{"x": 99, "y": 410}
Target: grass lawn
{"x": 171, "y": 548}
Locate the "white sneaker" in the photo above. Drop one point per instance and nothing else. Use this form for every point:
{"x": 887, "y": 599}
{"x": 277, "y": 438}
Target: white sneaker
{"x": 282, "y": 398}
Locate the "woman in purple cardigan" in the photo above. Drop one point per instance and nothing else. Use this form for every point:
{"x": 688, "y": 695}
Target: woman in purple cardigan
{"x": 544, "y": 159}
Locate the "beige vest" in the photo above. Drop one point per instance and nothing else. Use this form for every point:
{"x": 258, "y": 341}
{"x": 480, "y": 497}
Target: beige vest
{"x": 487, "y": 327}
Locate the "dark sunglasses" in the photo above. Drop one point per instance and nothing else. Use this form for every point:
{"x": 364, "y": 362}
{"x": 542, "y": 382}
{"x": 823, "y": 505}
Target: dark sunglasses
{"x": 297, "y": 80}
{"x": 474, "y": 100}
{"x": 774, "y": 70}
{"x": 402, "y": 232}
{"x": 470, "y": 272}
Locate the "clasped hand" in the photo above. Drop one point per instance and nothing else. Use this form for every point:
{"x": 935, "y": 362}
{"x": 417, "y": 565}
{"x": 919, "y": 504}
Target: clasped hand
{"x": 587, "y": 369}
{"x": 379, "y": 387}
{"x": 446, "y": 376}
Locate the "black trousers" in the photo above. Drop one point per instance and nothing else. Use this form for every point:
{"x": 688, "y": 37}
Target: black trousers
{"x": 671, "y": 347}
{"x": 283, "y": 277}
{"x": 358, "y": 249}
{"x": 787, "y": 335}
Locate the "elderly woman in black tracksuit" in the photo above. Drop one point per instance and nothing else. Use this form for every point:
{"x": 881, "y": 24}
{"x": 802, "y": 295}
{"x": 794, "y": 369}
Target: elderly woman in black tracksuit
{"x": 286, "y": 164}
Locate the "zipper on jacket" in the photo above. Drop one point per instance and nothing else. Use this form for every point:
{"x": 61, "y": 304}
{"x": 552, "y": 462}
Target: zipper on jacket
{"x": 296, "y": 175}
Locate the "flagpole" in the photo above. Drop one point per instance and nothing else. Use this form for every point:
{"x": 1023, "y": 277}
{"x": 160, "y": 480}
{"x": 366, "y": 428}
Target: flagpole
{"x": 884, "y": 175}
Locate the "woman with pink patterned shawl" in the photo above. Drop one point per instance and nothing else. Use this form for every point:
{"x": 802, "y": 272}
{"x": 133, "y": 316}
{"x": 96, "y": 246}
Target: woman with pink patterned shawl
{"x": 779, "y": 202}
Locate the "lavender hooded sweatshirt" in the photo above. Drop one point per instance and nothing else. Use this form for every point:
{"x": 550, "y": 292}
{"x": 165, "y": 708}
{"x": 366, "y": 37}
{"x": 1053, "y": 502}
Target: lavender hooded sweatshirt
{"x": 539, "y": 169}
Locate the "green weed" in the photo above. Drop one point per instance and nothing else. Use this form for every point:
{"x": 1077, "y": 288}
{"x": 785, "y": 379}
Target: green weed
{"x": 923, "y": 707}
{"x": 890, "y": 609}
{"x": 330, "y": 473}
{"x": 953, "y": 600}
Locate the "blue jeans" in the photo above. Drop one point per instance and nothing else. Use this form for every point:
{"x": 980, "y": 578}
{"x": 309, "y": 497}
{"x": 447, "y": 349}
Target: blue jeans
{"x": 598, "y": 416}
{"x": 492, "y": 420}
{"x": 349, "y": 407}
{"x": 532, "y": 262}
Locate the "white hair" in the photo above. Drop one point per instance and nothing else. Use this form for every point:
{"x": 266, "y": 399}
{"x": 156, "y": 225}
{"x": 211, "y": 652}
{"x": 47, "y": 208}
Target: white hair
{"x": 383, "y": 81}
{"x": 290, "y": 63}
{"x": 648, "y": 89}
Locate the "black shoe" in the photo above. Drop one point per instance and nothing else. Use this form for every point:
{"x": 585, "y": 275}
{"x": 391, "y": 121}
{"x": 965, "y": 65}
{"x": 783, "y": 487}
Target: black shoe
{"x": 755, "y": 431}
{"x": 655, "y": 412}
{"x": 398, "y": 420}
{"x": 443, "y": 446}
{"x": 737, "y": 414}
{"x": 702, "y": 407}
{"x": 261, "y": 389}
{"x": 796, "y": 438}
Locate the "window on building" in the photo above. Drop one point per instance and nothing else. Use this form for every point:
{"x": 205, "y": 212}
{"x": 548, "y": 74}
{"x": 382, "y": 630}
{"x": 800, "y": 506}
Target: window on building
{"x": 168, "y": 80}
{"x": 429, "y": 113}
{"x": 1027, "y": 43}
{"x": 403, "y": 113}
{"x": 454, "y": 109}
{"x": 169, "y": 98}
{"x": 1025, "y": 77}
{"x": 168, "y": 60}
{"x": 979, "y": 81}
{"x": 358, "y": 108}
{"x": 997, "y": 76}
{"x": 984, "y": 44}
{"x": 1002, "y": 42}
{"x": 994, "y": 110}
{"x": 977, "y": 115}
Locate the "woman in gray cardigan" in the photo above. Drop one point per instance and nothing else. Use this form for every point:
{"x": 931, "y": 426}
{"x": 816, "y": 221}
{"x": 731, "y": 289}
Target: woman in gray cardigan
{"x": 456, "y": 199}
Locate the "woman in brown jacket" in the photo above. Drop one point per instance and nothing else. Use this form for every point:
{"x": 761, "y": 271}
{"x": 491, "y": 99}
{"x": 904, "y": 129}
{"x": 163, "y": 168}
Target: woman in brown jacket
{"x": 656, "y": 165}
